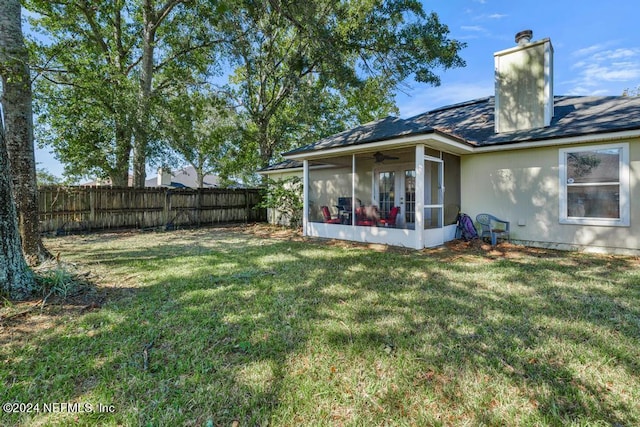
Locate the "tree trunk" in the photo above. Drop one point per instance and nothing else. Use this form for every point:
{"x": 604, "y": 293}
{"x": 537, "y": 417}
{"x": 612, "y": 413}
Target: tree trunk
{"x": 151, "y": 20}
{"x": 264, "y": 142}
{"x": 120, "y": 172}
{"x": 16, "y": 280}
{"x": 144, "y": 98}
{"x": 17, "y": 105}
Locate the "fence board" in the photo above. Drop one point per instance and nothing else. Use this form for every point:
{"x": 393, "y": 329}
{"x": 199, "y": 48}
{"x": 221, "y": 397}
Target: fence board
{"x": 69, "y": 209}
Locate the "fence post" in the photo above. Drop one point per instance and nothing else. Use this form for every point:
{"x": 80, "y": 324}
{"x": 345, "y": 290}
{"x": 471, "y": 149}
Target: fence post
{"x": 198, "y": 206}
{"x": 92, "y": 208}
{"x": 247, "y": 205}
{"x": 167, "y": 207}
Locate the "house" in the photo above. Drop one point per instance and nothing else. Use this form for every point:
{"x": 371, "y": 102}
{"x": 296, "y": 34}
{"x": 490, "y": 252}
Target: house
{"x": 105, "y": 182}
{"x": 564, "y": 170}
{"x": 186, "y": 177}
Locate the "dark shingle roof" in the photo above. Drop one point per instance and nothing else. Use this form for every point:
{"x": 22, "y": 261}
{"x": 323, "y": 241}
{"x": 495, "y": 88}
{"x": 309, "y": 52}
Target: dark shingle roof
{"x": 573, "y": 116}
{"x": 473, "y": 123}
{"x": 284, "y": 165}
{"x": 379, "y": 130}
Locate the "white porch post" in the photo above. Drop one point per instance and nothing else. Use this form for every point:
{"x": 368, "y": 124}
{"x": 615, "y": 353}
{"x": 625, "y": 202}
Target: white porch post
{"x": 419, "y": 231}
{"x": 305, "y": 197}
{"x": 353, "y": 189}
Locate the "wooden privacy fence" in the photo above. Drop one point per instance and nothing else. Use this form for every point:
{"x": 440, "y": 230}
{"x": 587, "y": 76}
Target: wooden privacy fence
{"x": 72, "y": 209}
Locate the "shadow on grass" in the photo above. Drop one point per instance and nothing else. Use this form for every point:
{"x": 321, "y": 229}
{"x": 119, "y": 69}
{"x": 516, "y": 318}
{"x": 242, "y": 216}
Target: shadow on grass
{"x": 255, "y": 333}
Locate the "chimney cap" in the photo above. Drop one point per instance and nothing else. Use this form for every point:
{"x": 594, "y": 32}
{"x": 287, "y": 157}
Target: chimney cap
{"x": 524, "y": 37}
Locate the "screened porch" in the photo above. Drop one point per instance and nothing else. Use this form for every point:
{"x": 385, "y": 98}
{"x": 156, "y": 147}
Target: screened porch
{"x": 407, "y": 196}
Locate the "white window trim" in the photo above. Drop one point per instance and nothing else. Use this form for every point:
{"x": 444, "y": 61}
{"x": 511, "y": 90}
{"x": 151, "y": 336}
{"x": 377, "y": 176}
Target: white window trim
{"x": 625, "y": 214}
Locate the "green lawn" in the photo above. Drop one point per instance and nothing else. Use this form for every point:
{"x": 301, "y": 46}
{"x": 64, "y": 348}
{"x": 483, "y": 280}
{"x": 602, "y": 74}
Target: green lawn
{"x": 221, "y": 327}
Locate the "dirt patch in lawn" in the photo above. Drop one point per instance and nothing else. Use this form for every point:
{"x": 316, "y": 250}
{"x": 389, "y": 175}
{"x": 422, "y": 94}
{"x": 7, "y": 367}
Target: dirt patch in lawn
{"x": 271, "y": 231}
{"x": 67, "y": 291}
{"x": 502, "y": 249}
{"x": 19, "y": 320}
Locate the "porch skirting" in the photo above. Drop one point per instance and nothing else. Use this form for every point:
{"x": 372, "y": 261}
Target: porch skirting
{"x": 402, "y": 237}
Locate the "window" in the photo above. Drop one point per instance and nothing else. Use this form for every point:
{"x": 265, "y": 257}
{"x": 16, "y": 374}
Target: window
{"x": 594, "y": 185}
{"x": 386, "y": 192}
{"x": 410, "y": 196}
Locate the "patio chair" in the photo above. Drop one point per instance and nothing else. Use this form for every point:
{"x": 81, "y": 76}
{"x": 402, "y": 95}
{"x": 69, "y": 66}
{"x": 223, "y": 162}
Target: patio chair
{"x": 327, "y": 216}
{"x": 362, "y": 219}
{"x": 390, "y": 221}
{"x": 344, "y": 204}
{"x": 492, "y": 227}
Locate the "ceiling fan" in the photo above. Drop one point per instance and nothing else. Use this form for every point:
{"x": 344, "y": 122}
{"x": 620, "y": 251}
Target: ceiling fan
{"x": 381, "y": 157}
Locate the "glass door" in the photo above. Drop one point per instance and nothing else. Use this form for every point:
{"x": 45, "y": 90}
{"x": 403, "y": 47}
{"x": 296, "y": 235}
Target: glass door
{"x": 386, "y": 192}
{"x": 410, "y": 196}
{"x": 433, "y": 201}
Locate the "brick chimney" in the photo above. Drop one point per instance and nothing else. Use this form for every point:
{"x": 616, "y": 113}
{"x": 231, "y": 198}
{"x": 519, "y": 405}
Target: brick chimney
{"x": 524, "y": 85}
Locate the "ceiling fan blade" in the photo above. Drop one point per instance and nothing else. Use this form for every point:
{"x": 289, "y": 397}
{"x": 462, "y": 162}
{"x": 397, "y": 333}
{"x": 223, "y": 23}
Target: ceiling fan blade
{"x": 381, "y": 157}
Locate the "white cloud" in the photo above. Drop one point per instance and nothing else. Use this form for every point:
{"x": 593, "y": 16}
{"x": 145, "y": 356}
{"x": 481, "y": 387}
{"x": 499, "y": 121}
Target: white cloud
{"x": 617, "y": 54}
{"x": 589, "y": 50}
{"x": 424, "y": 98}
{"x": 473, "y": 28}
{"x": 497, "y": 16}
{"x": 604, "y": 68}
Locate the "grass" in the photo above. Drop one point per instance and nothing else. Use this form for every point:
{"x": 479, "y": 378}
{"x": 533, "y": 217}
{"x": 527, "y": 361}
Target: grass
{"x": 222, "y": 327}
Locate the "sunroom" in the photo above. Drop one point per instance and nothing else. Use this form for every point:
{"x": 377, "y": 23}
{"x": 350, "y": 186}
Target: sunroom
{"x": 402, "y": 191}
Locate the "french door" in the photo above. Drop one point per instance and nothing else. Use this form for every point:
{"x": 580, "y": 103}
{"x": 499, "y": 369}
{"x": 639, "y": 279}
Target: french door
{"x": 386, "y": 193}
{"x": 409, "y": 196}
{"x": 396, "y": 187}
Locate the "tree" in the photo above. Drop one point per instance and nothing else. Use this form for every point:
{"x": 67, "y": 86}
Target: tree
{"x": 86, "y": 94}
{"x": 103, "y": 70}
{"x": 45, "y": 177}
{"x": 16, "y": 280}
{"x": 284, "y": 197}
{"x": 302, "y": 70}
{"x": 153, "y": 16}
{"x": 201, "y": 127}
{"x": 17, "y": 106}
{"x": 328, "y": 58}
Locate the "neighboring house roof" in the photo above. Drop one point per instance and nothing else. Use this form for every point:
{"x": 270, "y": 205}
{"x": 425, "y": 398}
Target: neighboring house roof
{"x": 186, "y": 178}
{"x": 473, "y": 123}
{"x": 181, "y": 178}
{"x": 105, "y": 182}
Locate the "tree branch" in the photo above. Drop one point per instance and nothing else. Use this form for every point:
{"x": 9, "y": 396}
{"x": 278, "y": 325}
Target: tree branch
{"x": 164, "y": 11}
{"x": 89, "y": 13}
{"x": 187, "y": 51}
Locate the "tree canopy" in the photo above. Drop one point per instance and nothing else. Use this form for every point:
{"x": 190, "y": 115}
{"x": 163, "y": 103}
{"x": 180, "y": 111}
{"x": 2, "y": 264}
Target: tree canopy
{"x": 297, "y": 71}
{"x": 103, "y": 67}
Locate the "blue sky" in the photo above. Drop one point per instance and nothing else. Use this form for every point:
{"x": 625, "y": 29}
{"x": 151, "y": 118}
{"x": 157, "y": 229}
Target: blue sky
{"x": 596, "y": 46}
{"x": 596, "y": 50}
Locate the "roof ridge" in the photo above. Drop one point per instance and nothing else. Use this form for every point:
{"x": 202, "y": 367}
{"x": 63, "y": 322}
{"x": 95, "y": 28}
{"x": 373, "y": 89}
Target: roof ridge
{"x": 452, "y": 106}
